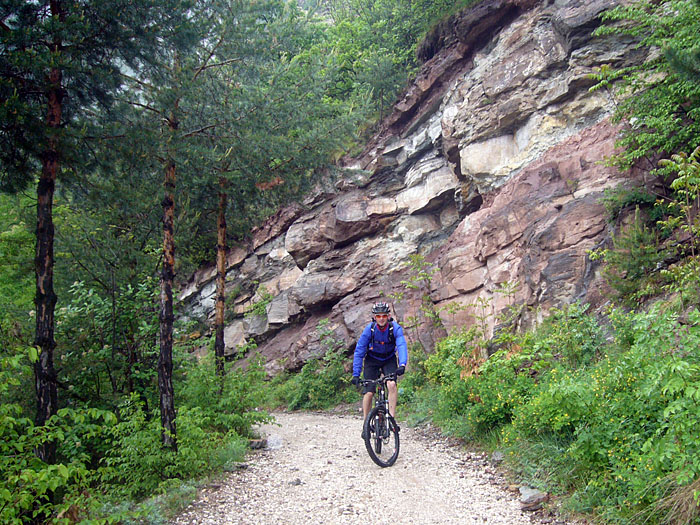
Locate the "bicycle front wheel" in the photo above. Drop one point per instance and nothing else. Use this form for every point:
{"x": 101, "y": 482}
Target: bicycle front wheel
{"x": 381, "y": 437}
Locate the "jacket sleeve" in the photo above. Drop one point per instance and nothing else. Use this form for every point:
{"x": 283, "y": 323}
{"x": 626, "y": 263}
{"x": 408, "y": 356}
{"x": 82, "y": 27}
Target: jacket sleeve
{"x": 401, "y": 346}
{"x": 361, "y": 351}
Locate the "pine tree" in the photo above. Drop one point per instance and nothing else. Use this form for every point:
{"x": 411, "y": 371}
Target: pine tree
{"x": 59, "y": 61}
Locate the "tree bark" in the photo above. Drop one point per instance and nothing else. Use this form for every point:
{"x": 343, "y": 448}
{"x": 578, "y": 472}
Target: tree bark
{"x": 44, "y": 373}
{"x": 165, "y": 359}
{"x": 219, "y": 343}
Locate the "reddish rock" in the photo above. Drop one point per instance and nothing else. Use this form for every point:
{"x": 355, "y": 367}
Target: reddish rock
{"x": 490, "y": 168}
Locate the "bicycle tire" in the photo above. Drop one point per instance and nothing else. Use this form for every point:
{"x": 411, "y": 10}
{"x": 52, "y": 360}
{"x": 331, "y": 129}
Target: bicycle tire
{"x": 379, "y": 423}
{"x": 387, "y": 452}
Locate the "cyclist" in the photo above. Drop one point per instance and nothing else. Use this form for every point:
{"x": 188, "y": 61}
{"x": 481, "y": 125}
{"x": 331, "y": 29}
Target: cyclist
{"x": 377, "y": 349}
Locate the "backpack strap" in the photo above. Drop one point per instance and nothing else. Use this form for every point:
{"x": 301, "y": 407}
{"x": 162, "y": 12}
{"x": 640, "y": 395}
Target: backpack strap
{"x": 392, "y": 337}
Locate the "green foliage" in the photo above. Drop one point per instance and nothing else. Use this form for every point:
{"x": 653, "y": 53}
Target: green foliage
{"x": 570, "y": 335}
{"x": 16, "y": 261}
{"x": 16, "y": 293}
{"x": 610, "y": 420}
{"x": 635, "y": 266}
{"x": 415, "y": 378}
{"x": 627, "y": 418}
{"x": 123, "y": 455}
{"x": 374, "y": 43}
{"x": 234, "y": 408}
{"x": 322, "y": 381}
{"x": 683, "y": 280}
{"x": 660, "y": 105}
{"x": 137, "y": 465}
{"x": 419, "y": 278}
{"x": 686, "y": 187}
{"x": 213, "y": 424}
{"x": 28, "y": 483}
{"x": 262, "y": 298}
{"x": 107, "y": 343}
{"x": 632, "y": 264}
{"x": 619, "y": 198}
{"x": 442, "y": 366}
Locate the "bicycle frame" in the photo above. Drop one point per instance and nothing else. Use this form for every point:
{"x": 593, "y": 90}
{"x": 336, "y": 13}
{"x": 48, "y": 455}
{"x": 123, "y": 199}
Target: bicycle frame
{"x": 380, "y": 429}
{"x": 380, "y": 397}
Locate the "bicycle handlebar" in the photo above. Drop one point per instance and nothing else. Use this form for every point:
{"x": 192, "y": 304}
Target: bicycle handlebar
{"x": 383, "y": 379}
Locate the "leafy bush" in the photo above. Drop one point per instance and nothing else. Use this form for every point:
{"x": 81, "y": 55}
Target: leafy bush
{"x": 108, "y": 343}
{"x": 627, "y": 420}
{"x": 28, "y": 485}
{"x": 416, "y": 376}
{"x": 101, "y": 457}
{"x": 322, "y": 381}
{"x": 619, "y": 198}
{"x": 375, "y": 44}
{"x": 569, "y": 335}
{"x": 632, "y": 264}
{"x": 610, "y": 420}
{"x": 442, "y": 366}
{"x": 228, "y": 406}
{"x": 659, "y": 103}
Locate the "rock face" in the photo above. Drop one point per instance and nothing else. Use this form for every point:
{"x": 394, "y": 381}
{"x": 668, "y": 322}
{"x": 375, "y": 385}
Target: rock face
{"x": 489, "y": 170}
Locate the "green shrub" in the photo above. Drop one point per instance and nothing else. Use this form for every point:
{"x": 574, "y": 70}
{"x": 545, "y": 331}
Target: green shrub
{"x": 629, "y": 421}
{"x": 489, "y": 397}
{"x": 569, "y": 335}
{"x": 322, "y": 382}
{"x": 228, "y": 406}
{"x": 30, "y": 489}
{"x": 415, "y": 378}
{"x": 609, "y": 416}
{"x": 632, "y": 264}
{"x": 443, "y": 365}
{"x": 619, "y": 198}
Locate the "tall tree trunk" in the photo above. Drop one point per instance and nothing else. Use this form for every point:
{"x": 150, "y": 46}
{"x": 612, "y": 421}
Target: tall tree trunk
{"x": 44, "y": 372}
{"x": 219, "y": 344}
{"x": 165, "y": 359}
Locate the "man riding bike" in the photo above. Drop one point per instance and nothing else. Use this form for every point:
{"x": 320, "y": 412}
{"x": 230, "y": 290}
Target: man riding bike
{"x": 377, "y": 349}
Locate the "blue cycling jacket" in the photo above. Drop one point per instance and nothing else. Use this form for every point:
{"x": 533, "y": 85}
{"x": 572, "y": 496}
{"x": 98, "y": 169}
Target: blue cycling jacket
{"x": 381, "y": 349}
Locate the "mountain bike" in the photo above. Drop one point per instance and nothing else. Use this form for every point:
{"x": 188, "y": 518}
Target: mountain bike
{"x": 380, "y": 429}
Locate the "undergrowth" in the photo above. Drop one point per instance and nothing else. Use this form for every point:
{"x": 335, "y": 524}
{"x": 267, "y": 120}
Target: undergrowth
{"x": 608, "y": 418}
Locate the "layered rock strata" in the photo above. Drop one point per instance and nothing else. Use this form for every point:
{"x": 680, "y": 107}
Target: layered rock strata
{"x": 489, "y": 170}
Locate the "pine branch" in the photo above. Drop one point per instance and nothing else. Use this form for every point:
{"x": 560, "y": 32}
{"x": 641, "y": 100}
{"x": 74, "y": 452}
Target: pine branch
{"x": 211, "y": 54}
{"x": 146, "y": 106}
{"x": 218, "y": 64}
{"x": 141, "y": 83}
{"x": 201, "y": 130}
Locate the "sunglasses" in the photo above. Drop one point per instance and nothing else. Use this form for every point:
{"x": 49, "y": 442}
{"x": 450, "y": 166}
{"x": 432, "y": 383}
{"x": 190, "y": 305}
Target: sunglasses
{"x": 381, "y": 316}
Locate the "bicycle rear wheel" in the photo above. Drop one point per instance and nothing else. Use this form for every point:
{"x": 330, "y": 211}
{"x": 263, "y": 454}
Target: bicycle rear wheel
{"x": 381, "y": 437}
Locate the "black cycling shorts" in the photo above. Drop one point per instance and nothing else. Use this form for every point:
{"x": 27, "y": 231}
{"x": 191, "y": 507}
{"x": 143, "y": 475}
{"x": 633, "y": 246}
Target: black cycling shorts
{"x": 372, "y": 367}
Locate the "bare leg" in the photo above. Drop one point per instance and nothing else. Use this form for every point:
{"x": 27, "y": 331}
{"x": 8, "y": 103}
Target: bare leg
{"x": 367, "y": 404}
{"x": 393, "y": 397}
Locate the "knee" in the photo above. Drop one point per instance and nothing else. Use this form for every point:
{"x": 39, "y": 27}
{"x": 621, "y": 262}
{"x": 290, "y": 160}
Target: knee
{"x": 391, "y": 386}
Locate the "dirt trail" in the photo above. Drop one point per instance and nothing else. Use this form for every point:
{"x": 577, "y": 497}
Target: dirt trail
{"x": 316, "y": 471}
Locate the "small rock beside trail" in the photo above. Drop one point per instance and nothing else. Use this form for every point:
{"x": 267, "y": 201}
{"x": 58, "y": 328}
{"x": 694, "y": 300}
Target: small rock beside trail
{"x": 532, "y": 499}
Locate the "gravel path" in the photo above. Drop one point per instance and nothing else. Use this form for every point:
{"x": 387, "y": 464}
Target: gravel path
{"x": 316, "y": 471}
